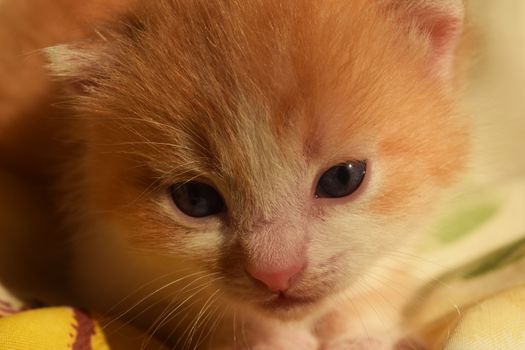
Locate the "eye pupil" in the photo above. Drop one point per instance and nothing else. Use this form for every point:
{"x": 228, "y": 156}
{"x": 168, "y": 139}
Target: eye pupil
{"x": 341, "y": 180}
{"x": 197, "y": 199}
{"x": 343, "y": 175}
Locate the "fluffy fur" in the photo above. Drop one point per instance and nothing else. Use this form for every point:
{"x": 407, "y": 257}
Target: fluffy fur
{"x": 257, "y": 98}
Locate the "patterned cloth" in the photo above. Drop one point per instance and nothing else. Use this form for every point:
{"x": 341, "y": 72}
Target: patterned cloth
{"x": 63, "y": 328}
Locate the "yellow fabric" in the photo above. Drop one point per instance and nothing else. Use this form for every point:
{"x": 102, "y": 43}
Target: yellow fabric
{"x": 495, "y": 323}
{"x": 65, "y": 328}
{"x": 49, "y": 328}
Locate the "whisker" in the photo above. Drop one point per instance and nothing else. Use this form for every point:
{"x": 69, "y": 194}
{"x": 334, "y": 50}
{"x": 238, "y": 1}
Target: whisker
{"x": 190, "y": 325}
{"x": 214, "y": 313}
{"x": 365, "y": 329}
{"x": 234, "y": 320}
{"x": 374, "y": 309}
{"x": 198, "y": 318}
{"x": 166, "y": 317}
{"x": 167, "y": 285}
{"x": 215, "y": 326}
{"x": 243, "y": 332}
{"x": 189, "y": 289}
{"x": 159, "y": 322}
{"x": 387, "y": 279}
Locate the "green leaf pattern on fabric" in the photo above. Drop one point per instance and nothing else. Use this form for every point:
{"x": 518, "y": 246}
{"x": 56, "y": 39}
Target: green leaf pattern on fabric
{"x": 496, "y": 260}
{"x": 465, "y": 221}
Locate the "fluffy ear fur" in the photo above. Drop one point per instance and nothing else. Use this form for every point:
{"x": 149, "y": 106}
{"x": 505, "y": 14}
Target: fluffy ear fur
{"x": 75, "y": 64}
{"x": 437, "y": 24}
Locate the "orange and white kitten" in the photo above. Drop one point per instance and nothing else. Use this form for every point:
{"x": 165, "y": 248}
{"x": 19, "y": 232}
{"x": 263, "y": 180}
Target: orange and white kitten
{"x": 249, "y": 172}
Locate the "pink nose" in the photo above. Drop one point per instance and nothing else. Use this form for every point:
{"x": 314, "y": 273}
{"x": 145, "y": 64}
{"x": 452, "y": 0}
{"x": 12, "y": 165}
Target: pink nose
{"x": 277, "y": 281}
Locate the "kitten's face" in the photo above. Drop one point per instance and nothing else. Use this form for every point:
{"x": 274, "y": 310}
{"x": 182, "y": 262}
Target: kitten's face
{"x": 214, "y": 133}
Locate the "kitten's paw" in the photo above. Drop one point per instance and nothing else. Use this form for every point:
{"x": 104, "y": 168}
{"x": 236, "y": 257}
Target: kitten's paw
{"x": 289, "y": 344}
{"x": 373, "y": 344}
{"x": 293, "y": 340}
{"x": 359, "y": 344}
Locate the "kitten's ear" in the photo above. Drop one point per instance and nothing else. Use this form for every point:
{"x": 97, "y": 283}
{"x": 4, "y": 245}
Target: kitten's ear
{"x": 75, "y": 64}
{"x": 437, "y": 23}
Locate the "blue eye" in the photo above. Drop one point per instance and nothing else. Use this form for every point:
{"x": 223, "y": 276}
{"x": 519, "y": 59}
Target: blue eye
{"x": 197, "y": 199}
{"x": 341, "y": 180}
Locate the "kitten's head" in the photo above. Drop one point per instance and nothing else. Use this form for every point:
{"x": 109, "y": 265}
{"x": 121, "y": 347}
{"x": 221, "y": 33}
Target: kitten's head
{"x": 278, "y": 147}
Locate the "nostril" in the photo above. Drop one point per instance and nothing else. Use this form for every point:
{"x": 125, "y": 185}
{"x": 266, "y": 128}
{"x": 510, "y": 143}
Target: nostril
{"x": 277, "y": 280}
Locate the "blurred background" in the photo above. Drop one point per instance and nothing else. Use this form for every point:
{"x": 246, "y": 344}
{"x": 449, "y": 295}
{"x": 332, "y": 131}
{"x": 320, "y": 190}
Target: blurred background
{"x": 495, "y": 94}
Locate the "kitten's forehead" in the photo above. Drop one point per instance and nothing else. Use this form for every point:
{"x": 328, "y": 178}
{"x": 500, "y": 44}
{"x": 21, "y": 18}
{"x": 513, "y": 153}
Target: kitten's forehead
{"x": 236, "y": 87}
{"x": 281, "y": 69}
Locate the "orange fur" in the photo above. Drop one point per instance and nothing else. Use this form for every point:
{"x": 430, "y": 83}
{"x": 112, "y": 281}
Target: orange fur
{"x": 256, "y": 98}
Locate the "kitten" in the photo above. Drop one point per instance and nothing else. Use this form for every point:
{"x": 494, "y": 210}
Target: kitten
{"x": 249, "y": 172}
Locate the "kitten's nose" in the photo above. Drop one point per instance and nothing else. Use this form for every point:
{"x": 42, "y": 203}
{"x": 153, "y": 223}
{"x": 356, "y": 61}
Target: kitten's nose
{"x": 279, "y": 280}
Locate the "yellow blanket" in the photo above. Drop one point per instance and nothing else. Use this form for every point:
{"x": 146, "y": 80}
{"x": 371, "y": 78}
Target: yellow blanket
{"x": 64, "y": 328}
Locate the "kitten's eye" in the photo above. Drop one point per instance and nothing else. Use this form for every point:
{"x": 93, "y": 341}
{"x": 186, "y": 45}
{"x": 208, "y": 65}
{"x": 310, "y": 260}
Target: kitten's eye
{"x": 341, "y": 180}
{"x": 197, "y": 199}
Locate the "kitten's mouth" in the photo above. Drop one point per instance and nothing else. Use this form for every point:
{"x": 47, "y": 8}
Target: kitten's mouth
{"x": 283, "y": 302}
